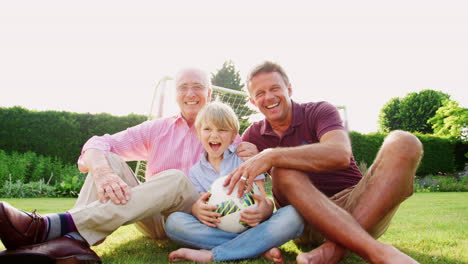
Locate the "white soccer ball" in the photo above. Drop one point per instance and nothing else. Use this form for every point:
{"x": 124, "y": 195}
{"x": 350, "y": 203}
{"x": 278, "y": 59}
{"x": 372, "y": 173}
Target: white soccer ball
{"x": 229, "y": 206}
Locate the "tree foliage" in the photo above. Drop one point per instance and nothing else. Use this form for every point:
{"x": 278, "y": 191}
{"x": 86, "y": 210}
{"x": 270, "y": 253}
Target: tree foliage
{"x": 451, "y": 120}
{"x": 389, "y": 119}
{"x": 229, "y": 77}
{"x": 412, "y": 112}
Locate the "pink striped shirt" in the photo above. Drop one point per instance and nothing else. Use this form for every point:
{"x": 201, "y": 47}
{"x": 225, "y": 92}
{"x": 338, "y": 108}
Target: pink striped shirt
{"x": 166, "y": 143}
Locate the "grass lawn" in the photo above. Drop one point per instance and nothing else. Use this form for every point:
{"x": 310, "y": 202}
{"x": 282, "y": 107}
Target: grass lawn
{"x": 430, "y": 227}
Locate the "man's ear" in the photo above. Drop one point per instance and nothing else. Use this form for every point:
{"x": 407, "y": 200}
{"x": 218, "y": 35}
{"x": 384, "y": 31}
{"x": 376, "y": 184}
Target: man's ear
{"x": 289, "y": 90}
{"x": 252, "y": 101}
{"x": 210, "y": 90}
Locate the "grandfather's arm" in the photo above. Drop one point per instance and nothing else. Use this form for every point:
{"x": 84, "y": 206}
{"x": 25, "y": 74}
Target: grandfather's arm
{"x": 108, "y": 184}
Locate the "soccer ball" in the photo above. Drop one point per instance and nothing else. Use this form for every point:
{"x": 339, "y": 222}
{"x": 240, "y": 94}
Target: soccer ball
{"x": 229, "y": 206}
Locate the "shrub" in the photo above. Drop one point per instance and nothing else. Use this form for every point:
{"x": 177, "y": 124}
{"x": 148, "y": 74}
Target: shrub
{"x": 28, "y": 190}
{"x": 440, "y": 154}
{"x": 30, "y": 167}
{"x": 441, "y": 184}
{"x": 54, "y": 133}
{"x": 70, "y": 187}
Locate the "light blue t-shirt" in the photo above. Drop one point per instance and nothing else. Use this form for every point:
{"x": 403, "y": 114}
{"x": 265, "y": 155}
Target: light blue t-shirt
{"x": 202, "y": 174}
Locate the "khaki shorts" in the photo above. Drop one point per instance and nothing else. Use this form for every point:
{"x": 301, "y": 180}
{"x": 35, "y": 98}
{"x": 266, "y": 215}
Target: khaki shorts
{"x": 312, "y": 236}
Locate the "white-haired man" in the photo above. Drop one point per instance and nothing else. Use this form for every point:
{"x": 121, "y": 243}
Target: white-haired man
{"x": 111, "y": 195}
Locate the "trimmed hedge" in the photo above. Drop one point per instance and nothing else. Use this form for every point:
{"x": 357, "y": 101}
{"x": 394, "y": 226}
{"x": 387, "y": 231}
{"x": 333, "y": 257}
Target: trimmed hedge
{"x": 56, "y": 134}
{"x": 440, "y": 154}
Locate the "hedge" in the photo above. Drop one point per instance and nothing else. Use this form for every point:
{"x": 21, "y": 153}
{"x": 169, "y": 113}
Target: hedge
{"x": 56, "y": 134}
{"x": 440, "y": 154}
{"x": 61, "y": 135}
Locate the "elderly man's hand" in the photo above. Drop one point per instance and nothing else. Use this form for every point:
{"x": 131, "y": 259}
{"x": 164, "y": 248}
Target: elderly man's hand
{"x": 248, "y": 171}
{"x": 110, "y": 186}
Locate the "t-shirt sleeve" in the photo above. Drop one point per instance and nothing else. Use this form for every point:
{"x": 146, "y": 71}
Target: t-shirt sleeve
{"x": 325, "y": 118}
{"x": 246, "y": 134}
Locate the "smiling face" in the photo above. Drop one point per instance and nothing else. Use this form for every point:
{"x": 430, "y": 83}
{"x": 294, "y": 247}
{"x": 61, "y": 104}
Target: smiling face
{"x": 215, "y": 140}
{"x": 217, "y": 127}
{"x": 193, "y": 92}
{"x": 269, "y": 92}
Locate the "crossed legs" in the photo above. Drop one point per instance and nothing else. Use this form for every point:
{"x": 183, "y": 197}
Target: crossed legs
{"x": 388, "y": 183}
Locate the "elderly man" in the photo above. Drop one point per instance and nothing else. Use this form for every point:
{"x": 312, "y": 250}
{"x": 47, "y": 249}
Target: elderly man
{"x": 111, "y": 195}
{"x": 308, "y": 153}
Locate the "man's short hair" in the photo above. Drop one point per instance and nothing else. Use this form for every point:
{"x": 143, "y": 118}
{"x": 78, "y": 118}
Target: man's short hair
{"x": 219, "y": 114}
{"x": 267, "y": 67}
{"x": 203, "y": 75}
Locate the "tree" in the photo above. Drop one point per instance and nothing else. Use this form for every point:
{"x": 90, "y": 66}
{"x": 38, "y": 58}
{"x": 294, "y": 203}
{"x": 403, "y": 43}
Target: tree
{"x": 389, "y": 119}
{"x": 451, "y": 120}
{"x": 412, "y": 112}
{"x": 229, "y": 77}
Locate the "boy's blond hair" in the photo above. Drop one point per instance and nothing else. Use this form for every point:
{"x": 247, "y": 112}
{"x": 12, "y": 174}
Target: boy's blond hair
{"x": 219, "y": 114}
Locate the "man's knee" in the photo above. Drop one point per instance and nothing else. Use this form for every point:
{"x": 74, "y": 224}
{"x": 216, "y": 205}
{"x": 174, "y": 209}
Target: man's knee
{"x": 407, "y": 144}
{"x": 286, "y": 179}
{"x": 175, "y": 175}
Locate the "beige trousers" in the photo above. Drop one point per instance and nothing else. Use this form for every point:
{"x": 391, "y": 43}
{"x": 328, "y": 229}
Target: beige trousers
{"x": 151, "y": 202}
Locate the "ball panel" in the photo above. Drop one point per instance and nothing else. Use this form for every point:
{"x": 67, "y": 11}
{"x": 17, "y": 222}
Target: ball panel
{"x": 229, "y": 206}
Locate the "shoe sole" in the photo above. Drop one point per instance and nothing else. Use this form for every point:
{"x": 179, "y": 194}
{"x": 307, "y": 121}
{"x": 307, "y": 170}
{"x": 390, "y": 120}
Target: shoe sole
{"x": 44, "y": 259}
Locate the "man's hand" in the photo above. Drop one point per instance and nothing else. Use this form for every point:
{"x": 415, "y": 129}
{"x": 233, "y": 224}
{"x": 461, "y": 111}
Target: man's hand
{"x": 204, "y": 212}
{"x": 110, "y": 186}
{"x": 254, "y": 215}
{"x": 246, "y": 150}
{"x": 248, "y": 171}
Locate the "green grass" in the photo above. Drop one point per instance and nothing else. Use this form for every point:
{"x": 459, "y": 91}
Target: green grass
{"x": 430, "y": 227}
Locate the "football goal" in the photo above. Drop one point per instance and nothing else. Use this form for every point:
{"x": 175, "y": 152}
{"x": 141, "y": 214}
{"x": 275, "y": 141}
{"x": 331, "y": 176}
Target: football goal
{"x": 163, "y": 105}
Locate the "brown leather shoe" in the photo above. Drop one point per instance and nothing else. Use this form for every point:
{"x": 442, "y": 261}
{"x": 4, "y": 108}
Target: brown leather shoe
{"x": 62, "y": 250}
{"x": 18, "y": 228}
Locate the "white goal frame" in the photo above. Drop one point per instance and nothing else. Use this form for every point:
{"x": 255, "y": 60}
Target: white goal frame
{"x": 159, "y": 102}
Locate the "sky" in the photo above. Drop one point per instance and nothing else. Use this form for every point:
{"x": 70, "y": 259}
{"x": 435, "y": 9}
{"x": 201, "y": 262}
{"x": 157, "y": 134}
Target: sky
{"x": 107, "y": 56}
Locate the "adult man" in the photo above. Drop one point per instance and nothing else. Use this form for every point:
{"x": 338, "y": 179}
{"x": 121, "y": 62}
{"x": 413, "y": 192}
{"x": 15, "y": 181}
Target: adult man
{"x": 167, "y": 143}
{"x": 308, "y": 153}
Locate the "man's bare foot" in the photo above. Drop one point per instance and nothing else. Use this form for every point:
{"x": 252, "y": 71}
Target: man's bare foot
{"x": 328, "y": 253}
{"x": 273, "y": 254}
{"x": 186, "y": 254}
{"x": 393, "y": 255}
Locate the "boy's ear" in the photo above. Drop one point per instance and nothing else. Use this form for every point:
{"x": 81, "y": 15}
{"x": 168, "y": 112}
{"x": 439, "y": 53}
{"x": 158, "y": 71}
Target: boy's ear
{"x": 234, "y": 135}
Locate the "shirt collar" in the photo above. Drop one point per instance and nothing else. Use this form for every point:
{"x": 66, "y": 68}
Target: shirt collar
{"x": 297, "y": 119}
{"x": 179, "y": 119}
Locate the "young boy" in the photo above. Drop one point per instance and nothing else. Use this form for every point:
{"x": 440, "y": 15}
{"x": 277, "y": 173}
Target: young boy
{"x": 217, "y": 127}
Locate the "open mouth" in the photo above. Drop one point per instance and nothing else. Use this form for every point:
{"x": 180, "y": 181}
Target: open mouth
{"x": 215, "y": 146}
{"x": 272, "y": 106}
{"x": 191, "y": 103}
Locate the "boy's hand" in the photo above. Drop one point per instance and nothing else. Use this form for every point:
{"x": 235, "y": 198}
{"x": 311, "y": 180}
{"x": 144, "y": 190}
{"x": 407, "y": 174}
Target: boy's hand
{"x": 246, "y": 150}
{"x": 204, "y": 212}
{"x": 254, "y": 215}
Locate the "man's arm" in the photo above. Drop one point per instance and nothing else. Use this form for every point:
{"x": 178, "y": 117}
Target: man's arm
{"x": 108, "y": 184}
{"x": 331, "y": 153}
